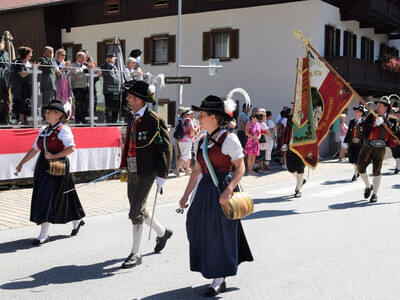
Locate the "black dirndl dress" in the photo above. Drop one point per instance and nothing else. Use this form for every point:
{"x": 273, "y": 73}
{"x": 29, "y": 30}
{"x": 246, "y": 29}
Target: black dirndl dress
{"x": 49, "y": 203}
{"x": 217, "y": 245}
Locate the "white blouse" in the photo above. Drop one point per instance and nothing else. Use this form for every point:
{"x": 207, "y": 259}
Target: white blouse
{"x": 65, "y": 135}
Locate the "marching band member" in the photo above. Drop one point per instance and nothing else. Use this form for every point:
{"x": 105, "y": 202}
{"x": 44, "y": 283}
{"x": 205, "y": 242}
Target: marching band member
{"x": 52, "y": 178}
{"x": 217, "y": 245}
{"x": 147, "y": 156}
{"x": 354, "y": 138}
{"x": 395, "y": 120}
{"x": 376, "y": 138}
{"x": 294, "y": 164}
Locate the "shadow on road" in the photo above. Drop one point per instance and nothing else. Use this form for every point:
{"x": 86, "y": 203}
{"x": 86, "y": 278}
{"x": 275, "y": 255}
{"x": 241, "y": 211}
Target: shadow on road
{"x": 24, "y": 244}
{"x": 330, "y": 182}
{"x": 396, "y": 186}
{"x": 356, "y": 204}
{"x": 274, "y": 199}
{"x": 186, "y": 293}
{"x": 65, "y": 274}
{"x": 270, "y": 213}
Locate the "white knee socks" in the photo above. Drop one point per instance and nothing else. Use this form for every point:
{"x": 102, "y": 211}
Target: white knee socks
{"x": 364, "y": 177}
{"x": 376, "y": 181}
{"x": 355, "y": 169}
{"x": 137, "y": 231}
{"x": 158, "y": 228}
{"x": 44, "y": 231}
{"x": 299, "y": 181}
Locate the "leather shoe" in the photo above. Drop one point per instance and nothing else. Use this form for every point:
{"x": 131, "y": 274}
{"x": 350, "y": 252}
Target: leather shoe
{"x": 131, "y": 261}
{"x": 211, "y": 292}
{"x": 367, "y": 192}
{"x": 354, "y": 178}
{"x": 75, "y": 231}
{"x": 297, "y": 194}
{"x": 37, "y": 242}
{"x": 373, "y": 199}
{"x": 396, "y": 171}
{"x": 161, "y": 241}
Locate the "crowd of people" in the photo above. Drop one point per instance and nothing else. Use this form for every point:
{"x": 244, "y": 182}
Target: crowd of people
{"x": 63, "y": 80}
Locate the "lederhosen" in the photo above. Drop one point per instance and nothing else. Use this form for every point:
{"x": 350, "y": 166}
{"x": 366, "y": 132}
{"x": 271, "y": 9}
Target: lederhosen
{"x": 396, "y": 131}
{"x": 354, "y": 139}
{"x": 374, "y": 147}
{"x": 49, "y": 203}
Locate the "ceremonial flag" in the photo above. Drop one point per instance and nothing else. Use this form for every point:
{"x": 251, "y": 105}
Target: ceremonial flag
{"x": 320, "y": 97}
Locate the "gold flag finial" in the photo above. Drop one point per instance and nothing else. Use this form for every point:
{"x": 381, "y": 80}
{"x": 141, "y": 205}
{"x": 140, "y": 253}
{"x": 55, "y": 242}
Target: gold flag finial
{"x": 298, "y": 34}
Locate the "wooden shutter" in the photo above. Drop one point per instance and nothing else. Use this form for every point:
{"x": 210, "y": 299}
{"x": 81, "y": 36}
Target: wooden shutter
{"x": 75, "y": 49}
{"x": 148, "y": 50}
{"x": 122, "y": 42}
{"x": 171, "y": 113}
{"x": 371, "y": 51}
{"x": 206, "y": 45}
{"x": 354, "y": 45}
{"x": 337, "y": 42}
{"x": 328, "y": 40}
{"x": 234, "y": 43}
{"x": 346, "y": 44}
{"x": 171, "y": 48}
{"x": 363, "y": 48}
{"x": 100, "y": 53}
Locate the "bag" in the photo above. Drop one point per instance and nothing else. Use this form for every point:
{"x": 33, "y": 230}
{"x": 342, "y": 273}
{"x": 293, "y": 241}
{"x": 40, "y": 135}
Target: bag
{"x": 240, "y": 205}
{"x": 179, "y": 132}
{"x": 57, "y": 167}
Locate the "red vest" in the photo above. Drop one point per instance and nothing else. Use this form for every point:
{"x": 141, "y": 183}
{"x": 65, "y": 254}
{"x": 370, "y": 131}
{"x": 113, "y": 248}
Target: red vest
{"x": 54, "y": 145}
{"x": 222, "y": 163}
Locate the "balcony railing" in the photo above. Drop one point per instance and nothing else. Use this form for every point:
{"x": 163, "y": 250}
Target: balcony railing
{"x": 367, "y": 78}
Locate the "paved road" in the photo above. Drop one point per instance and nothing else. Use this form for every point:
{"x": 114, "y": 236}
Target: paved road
{"x": 330, "y": 244}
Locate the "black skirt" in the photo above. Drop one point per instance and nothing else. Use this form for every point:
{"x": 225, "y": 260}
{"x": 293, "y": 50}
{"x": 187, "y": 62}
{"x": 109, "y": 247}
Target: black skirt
{"x": 49, "y": 203}
{"x": 217, "y": 245}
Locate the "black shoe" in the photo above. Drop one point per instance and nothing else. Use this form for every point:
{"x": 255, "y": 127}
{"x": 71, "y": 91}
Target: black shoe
{"x": 297, "y": 194}
{"x": 373, "y": 199}
{"x": 75, "y": 231}
{"x": 161, "y": 241}
{"x": 367, "y": 192}
{"x": 131, "y": 261}
{"x": 37, "y": 242}
{"x": 211, "y": 292}
{"x": 304, "y": 182}
{"x": 396, "y": 171}
{"x": 354, "y": 178}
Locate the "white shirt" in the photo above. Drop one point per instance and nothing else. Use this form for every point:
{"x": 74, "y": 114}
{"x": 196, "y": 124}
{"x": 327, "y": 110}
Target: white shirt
{"x": 141, "y": 111}
{"x": 65, "y": 135}
{"x": 231, "y": 146}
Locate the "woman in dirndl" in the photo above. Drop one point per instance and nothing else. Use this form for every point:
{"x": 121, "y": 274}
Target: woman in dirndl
{"x": 217, "y": 245}
{"x": 50, "y": 203}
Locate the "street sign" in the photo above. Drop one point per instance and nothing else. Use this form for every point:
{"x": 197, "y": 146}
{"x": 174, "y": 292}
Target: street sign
{"x": 178, "y": 80}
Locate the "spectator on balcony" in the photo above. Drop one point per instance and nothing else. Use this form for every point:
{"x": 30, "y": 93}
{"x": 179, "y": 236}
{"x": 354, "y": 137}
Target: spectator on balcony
{"x": 111, "y": 88}
{"x": 48, "y": 86}
{"x": 21, "y": 85}
{"x": 79, "y": 87}
{"x": 133, "y": 70}
{"x": 4, "y": 80}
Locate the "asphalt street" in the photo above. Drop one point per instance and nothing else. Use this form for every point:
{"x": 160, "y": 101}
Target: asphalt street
{"x": 329, "y": 244}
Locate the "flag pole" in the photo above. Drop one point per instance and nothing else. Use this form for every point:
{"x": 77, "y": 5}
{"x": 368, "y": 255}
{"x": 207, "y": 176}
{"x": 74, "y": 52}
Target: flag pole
{"x": 300, "y": 35}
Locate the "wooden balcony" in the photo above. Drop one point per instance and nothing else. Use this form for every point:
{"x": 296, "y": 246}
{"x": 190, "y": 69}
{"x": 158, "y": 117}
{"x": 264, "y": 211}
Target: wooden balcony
{"x": 383, "y": 15}
{"x": 366, "y": 78}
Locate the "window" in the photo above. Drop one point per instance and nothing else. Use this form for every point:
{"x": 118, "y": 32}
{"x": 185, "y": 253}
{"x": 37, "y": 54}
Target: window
{"x": 160, "y": 3}
{"x": 350, "y": 44}
{"x": 159, "y": 49}
{"x": 385, "y": 50}
{"x": 221, "y": 43}
{"x": 332, "y": 41}
{"x": 367, "y": 49}
{"x": 167, "y": 110}
{"x": 71, "y": 49}
{"x": 112, "y": 7}
{"x": 106, "y": 47}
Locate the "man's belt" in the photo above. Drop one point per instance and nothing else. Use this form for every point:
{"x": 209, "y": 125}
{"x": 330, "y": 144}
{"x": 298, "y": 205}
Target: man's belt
{"x": 355, "y": 140}
{"x": 378, "y": 144}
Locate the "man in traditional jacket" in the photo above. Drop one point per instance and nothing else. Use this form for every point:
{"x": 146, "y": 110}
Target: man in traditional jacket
{"x": 376, "y": 138}
{"x": 147, "y": 156}
{"x": 354, "y": 138}
{"x": 48, "y": 77}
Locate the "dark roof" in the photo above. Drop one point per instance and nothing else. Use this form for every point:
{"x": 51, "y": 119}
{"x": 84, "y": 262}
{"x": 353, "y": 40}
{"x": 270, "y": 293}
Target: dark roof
{"x": 14, "y": 5}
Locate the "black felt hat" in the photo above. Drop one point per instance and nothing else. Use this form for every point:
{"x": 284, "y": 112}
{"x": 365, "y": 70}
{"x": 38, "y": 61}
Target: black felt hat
{"x": 360, "y": 108}
{"x": 384, "y": 100}
{"x": 56, "y": 105}
{"x": 215, "y": 105}
{"x": 140, "y": 89}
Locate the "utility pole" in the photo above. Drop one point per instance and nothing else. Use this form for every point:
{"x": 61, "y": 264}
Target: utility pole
{"x": 179, "y": 49}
